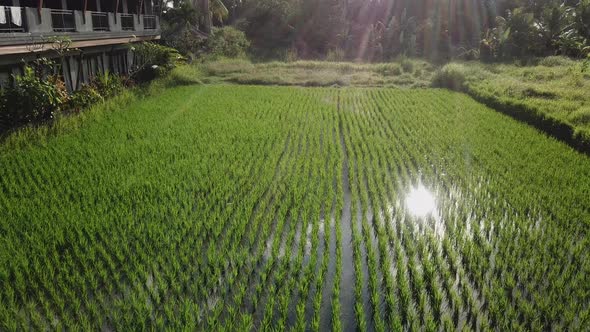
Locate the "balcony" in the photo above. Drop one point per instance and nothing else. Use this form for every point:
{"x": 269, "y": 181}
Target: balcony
{"x": 149, "y": 22}
{"x": 13, "y": 20}
{"x": 84, "y": 28}
{"x": 127, "y": 22}
{"x": 63, "y": 20}
{"x": 100, "y": 21}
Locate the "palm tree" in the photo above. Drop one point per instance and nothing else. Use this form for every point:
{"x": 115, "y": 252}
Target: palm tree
{"x": 218, "y": 10}
{"x": 215, "y": 8}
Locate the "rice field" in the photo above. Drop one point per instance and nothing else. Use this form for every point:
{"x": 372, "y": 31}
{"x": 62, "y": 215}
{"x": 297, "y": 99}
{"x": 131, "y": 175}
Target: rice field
{"x": 271, "y": 208}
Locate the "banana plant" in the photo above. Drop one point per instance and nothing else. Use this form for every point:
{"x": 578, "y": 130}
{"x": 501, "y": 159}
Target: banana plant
{"x": 493, "y": 39}
{"x": 399, "y": 34}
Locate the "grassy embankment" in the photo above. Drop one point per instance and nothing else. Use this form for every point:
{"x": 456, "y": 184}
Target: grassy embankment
{"x": 553, "y": 95}
{"x": 401, "y": 73}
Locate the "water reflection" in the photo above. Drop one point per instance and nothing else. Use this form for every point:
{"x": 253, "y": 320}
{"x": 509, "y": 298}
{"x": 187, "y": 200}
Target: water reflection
{"x": 420, "y": 202}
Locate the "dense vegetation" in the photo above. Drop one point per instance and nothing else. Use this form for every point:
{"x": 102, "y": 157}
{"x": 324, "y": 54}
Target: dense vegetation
{"x": 39, "y": 94}
{"x": 379, "y": 30}
{"x": 267, "y": 207}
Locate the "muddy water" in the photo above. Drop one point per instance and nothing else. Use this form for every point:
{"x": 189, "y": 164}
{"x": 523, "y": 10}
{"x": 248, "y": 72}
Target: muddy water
{"x": 291, "y": 312}
{"x": 366, "y": 275}
{"x": 327, "y": 289}
{"x": 347, "y": 299}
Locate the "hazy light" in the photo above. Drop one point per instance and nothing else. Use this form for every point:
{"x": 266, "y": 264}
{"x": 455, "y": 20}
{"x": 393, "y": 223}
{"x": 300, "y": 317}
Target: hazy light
{"x": 420, "y": 202}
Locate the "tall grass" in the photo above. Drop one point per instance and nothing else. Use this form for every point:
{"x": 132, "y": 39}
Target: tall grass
{"x": 404, "y": 73}
{"x": 551, "y": 96}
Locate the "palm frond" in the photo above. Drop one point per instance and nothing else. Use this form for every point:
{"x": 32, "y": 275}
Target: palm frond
{"x": 218, "y": 10}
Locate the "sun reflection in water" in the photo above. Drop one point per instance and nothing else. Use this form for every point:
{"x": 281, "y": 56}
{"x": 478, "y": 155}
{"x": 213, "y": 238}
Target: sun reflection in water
{"x": 420, "y": 202}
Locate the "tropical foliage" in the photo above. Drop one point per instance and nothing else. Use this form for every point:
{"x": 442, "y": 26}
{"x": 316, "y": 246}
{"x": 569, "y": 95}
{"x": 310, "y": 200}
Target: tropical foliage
{"x": 151, "y": 60}
{"x": 31, "y": 98}
{"x": 103, "y": 86}
{"x": 40, "y": 93}
{"x": 381, "y": 30}
{"x": 227, "y": 42}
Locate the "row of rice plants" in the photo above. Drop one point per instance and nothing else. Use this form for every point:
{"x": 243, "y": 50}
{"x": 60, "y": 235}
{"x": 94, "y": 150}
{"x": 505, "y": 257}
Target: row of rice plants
{"x": 111, "y": 260}
{"x": 477, "y": 250}
{"x": 357, "y": 184}
{"x": 208, "y": 208}
{"x": 418, "y": 148}
{"x": 470, "y": 297}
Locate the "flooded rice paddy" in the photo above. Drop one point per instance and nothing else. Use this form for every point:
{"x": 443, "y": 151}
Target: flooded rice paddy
{"x": 272, "y": 208}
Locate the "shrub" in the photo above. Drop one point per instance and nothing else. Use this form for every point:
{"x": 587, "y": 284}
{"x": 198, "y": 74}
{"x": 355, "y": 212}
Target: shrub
{"x": 407, "y": 65}
{"x": 185, "y": 75}
{"x": 60, "y": 87}
{"x": 85, "y": 97}
{"x": 151, "y": 60}
{"x": 228, "y": 42}
{"x": 107, "y": 84}
{"x": 31, "y": 99}
{"x": 103, "y": 86}
{"x": 555, "y": 61}
{"x": 451, "y": 76}
{"x": 335, "y": 55}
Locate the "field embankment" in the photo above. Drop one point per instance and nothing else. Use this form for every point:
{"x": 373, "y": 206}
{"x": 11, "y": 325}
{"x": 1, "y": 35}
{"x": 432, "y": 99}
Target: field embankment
{"x": 553, "y": 95}
{"x": 400, "y": 73}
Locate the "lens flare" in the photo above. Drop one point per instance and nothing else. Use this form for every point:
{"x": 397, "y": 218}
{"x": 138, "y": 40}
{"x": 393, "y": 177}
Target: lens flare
{"x": 420, "y": 202}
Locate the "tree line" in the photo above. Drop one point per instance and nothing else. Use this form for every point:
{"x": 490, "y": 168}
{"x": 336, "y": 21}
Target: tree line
{"x": 377, "y": 30}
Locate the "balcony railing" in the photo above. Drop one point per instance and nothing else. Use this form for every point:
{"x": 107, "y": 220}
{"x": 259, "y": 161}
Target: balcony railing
{"x": 63, "y": 20}
{"x": 127, "y": 23}
{"x": 12, "y": 19}
{"x": 149, "y": 22}
{"x": 100, "y": 21}
{"x": 23, "y": 25}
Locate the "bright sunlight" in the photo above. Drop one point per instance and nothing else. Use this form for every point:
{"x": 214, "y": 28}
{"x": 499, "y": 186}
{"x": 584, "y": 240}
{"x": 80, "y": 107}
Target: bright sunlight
{"x": 420, "y": 202}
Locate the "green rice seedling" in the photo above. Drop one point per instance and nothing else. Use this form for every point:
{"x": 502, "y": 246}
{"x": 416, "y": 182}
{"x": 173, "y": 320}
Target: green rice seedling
{"x": 300, "y": 325}
{"x": 196, "y": 194}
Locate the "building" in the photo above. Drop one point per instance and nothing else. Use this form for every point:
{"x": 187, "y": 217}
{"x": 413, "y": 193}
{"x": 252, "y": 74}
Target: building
{"x": 100, "y": 32}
